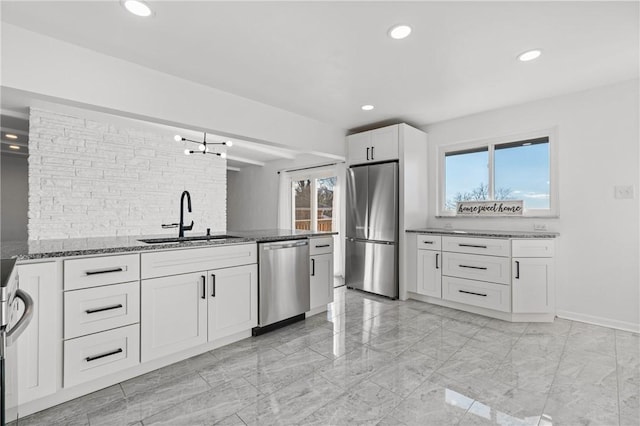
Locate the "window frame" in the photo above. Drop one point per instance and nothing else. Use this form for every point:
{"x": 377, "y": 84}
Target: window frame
{"x": 490, "y": 143}
{"x": 312, "y": 176}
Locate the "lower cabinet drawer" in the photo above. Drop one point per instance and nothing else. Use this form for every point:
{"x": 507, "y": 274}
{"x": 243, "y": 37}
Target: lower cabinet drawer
{"x": 476, "y": 267}
{"x": 320, "y": 245}
{"x": 101, "y": 308}
{"x": 477, "y": 293}
{"x": 87, "y": 358}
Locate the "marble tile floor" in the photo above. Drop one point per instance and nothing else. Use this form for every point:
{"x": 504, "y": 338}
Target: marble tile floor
{"x": 374, "y": 361}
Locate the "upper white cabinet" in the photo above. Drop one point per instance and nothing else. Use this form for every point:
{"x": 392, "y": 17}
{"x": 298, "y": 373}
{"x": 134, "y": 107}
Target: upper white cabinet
{"x": 373, "y": 145}
{"x": 38, "y": 346}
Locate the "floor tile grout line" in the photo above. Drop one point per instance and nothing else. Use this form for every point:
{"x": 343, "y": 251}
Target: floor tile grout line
{"x": 555, "y": 374}
{"x": 615, "y": 349}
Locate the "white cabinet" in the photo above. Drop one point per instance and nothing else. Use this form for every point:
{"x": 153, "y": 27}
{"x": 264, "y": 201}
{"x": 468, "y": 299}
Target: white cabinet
{"x": 38, "y": 346}
{"x": 233, "y": 301}
{"x": 183, "y": 311}
{"x": 429, "y": 262}
{"x": 533, "y": 279}
{"x": 173, "y": 314}
{"x": 373, "y": 145}
{"x": 321, "y": 273}
{"x": 321, "y": 280}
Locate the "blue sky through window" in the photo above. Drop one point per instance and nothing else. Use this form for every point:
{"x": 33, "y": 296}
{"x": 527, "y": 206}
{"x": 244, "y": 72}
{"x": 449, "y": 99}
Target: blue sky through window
{"x": 521, "y": 173}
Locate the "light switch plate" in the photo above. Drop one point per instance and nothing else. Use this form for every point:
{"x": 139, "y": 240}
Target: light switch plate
{"x": 448, "y": 225}
{"x": 540, "y": 227}
{"x": 623, "y": 192}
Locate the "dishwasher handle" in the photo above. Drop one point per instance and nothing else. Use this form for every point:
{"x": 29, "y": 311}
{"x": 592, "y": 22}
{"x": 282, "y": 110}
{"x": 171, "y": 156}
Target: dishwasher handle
{"x": 284, "y": 245}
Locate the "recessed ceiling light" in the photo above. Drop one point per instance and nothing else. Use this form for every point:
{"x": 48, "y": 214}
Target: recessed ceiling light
{"x": 14, "y": 147}
{"x": 10, "y": 136}
{"x": 137, "y": 7}
{"x": 530, "y": 55}
{"x": 399, "y": 32}
{"x": 367, "y": 107}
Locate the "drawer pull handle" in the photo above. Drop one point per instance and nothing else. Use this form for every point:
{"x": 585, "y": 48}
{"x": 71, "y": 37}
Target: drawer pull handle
{"x": 106, "y": 308}
{"x": 93, "y": 358}
{"x": 104, "y": 271}
{"x": 204, "y": 286}
{"x": 437, "y": 255}
{"x": 517, "y": 270}
{"x": 483, "y": 268}
{"x": 213, "y": 287}
{"x": 472, "y": 245}
{"x": 427, "y": 242}
{"x": 323, "y": 245}
{"x": 470, "y": 292}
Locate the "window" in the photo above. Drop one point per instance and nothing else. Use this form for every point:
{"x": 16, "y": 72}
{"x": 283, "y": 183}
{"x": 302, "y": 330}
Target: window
{"x": 517, "y": 168}
{"x": 314, "y": 204}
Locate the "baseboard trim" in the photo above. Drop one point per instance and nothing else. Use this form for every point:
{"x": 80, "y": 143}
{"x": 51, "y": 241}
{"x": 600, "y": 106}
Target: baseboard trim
{"x": 601, "y": 321}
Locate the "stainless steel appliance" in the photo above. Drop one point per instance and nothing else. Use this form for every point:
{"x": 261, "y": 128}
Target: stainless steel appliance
{"x": 16, "y": 311}
{"x": 372, "y": 229}
{"x": 283, "y": 282}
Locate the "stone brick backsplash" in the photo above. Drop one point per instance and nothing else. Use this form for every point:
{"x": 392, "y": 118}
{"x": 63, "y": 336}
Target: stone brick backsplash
{"x": 91, "y": 179}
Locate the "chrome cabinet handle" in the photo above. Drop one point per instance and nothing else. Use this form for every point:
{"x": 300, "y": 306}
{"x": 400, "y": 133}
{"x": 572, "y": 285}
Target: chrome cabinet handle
{"x": 104, "y": 271}
{"x": 483, "y": 268}
{"x": 213, "y": 287}
{"x": 106, "y": 308}
{"x": 471, "y": 292}
{"x": 93, "y": 358}
{"x": 517, "y": 269}
{"x": 204, "y": 286}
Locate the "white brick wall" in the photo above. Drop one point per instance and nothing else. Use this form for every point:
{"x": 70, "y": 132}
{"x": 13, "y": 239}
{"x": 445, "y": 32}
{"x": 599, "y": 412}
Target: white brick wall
{"x": 90, "y": 179}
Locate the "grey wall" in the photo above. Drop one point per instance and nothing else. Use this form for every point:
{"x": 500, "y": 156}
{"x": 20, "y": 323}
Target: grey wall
{"x": 14, "y": 187}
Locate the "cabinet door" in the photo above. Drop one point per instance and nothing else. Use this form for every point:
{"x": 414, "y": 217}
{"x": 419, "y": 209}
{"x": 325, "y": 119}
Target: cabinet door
{"x": 430, "y": 273}
{"x": 38, "y": 346}
{"x": 359, "y": 148}
{"x": 321, "y": 280}
{"x": 384, "y": 144}
{"x": 233, "y": 300}
{"x": 532, "y": 285}
{"x": 173, "y": 314}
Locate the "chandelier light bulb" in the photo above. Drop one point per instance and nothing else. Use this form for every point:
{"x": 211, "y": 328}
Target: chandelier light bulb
{"x": 177, "y": 138}
{"x": 223, "y": 155}
{"x": 201, "y": 147}
{"x": 228, "y": 143}
{"x": 187, "y": 152}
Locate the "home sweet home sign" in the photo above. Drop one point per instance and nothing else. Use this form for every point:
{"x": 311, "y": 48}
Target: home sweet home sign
{"x": 490, "y": 208}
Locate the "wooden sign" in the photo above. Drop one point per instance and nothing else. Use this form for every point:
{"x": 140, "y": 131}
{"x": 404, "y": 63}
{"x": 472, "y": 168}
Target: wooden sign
{"x": 490, "y": 208}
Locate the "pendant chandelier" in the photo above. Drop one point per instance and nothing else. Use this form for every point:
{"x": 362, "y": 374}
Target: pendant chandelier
{"x": 203, "y": 147}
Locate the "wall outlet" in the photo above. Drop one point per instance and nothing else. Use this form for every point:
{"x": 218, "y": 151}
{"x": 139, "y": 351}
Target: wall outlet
{"x": 540, "y": 227}
{"x": 448, "y": 225}
{"x": 623, "y": 192}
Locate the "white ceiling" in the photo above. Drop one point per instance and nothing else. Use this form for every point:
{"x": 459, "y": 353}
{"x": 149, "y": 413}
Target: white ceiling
{"x": 325, "y": 59}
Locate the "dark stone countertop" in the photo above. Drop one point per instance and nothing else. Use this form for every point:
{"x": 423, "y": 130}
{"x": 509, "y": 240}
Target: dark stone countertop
{"x": 486, "y": 234}
{"x": 69, "y": 247}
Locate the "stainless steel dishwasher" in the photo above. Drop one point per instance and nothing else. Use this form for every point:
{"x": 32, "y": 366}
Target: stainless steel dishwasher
{"x": 283, "y": 282}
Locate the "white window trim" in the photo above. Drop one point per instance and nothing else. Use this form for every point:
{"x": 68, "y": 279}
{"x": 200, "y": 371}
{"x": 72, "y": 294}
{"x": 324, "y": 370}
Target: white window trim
{"x": 554, "y": 185}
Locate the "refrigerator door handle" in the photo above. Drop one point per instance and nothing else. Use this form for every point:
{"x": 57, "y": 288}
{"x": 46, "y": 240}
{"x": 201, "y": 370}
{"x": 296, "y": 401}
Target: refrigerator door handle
{"x": 24, "y": 321}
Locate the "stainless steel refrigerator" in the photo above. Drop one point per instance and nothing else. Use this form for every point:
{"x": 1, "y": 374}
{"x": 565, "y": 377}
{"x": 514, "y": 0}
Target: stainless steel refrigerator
{"x": 372, "y": 229}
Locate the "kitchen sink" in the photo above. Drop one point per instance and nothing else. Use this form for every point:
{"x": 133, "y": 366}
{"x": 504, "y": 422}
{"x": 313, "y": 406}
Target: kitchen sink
{"x": 177, "y": 240}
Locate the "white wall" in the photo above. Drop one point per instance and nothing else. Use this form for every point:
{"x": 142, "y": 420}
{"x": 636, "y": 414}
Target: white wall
{"x": 598, "y": 251}
{"x": 65, "y": 73}
{"x": 14, "y": 181}
{"x": 93, "y": 178}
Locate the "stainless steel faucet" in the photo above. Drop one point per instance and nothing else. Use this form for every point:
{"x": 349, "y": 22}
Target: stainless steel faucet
{"x": 181, "y": 226}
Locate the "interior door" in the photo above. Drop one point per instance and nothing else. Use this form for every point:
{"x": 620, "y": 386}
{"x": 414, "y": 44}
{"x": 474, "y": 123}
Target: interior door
{"x": 383, "y": 202}
{"x": 357, "y": 202}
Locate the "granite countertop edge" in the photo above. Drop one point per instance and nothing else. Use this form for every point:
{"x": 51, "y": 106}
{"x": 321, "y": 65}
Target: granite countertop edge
{"x": 46, "y": 249}
{"x": 486, "y": 234}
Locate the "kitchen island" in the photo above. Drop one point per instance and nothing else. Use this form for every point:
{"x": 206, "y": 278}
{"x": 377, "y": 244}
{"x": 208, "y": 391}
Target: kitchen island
{"x": 112, "y": 308}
